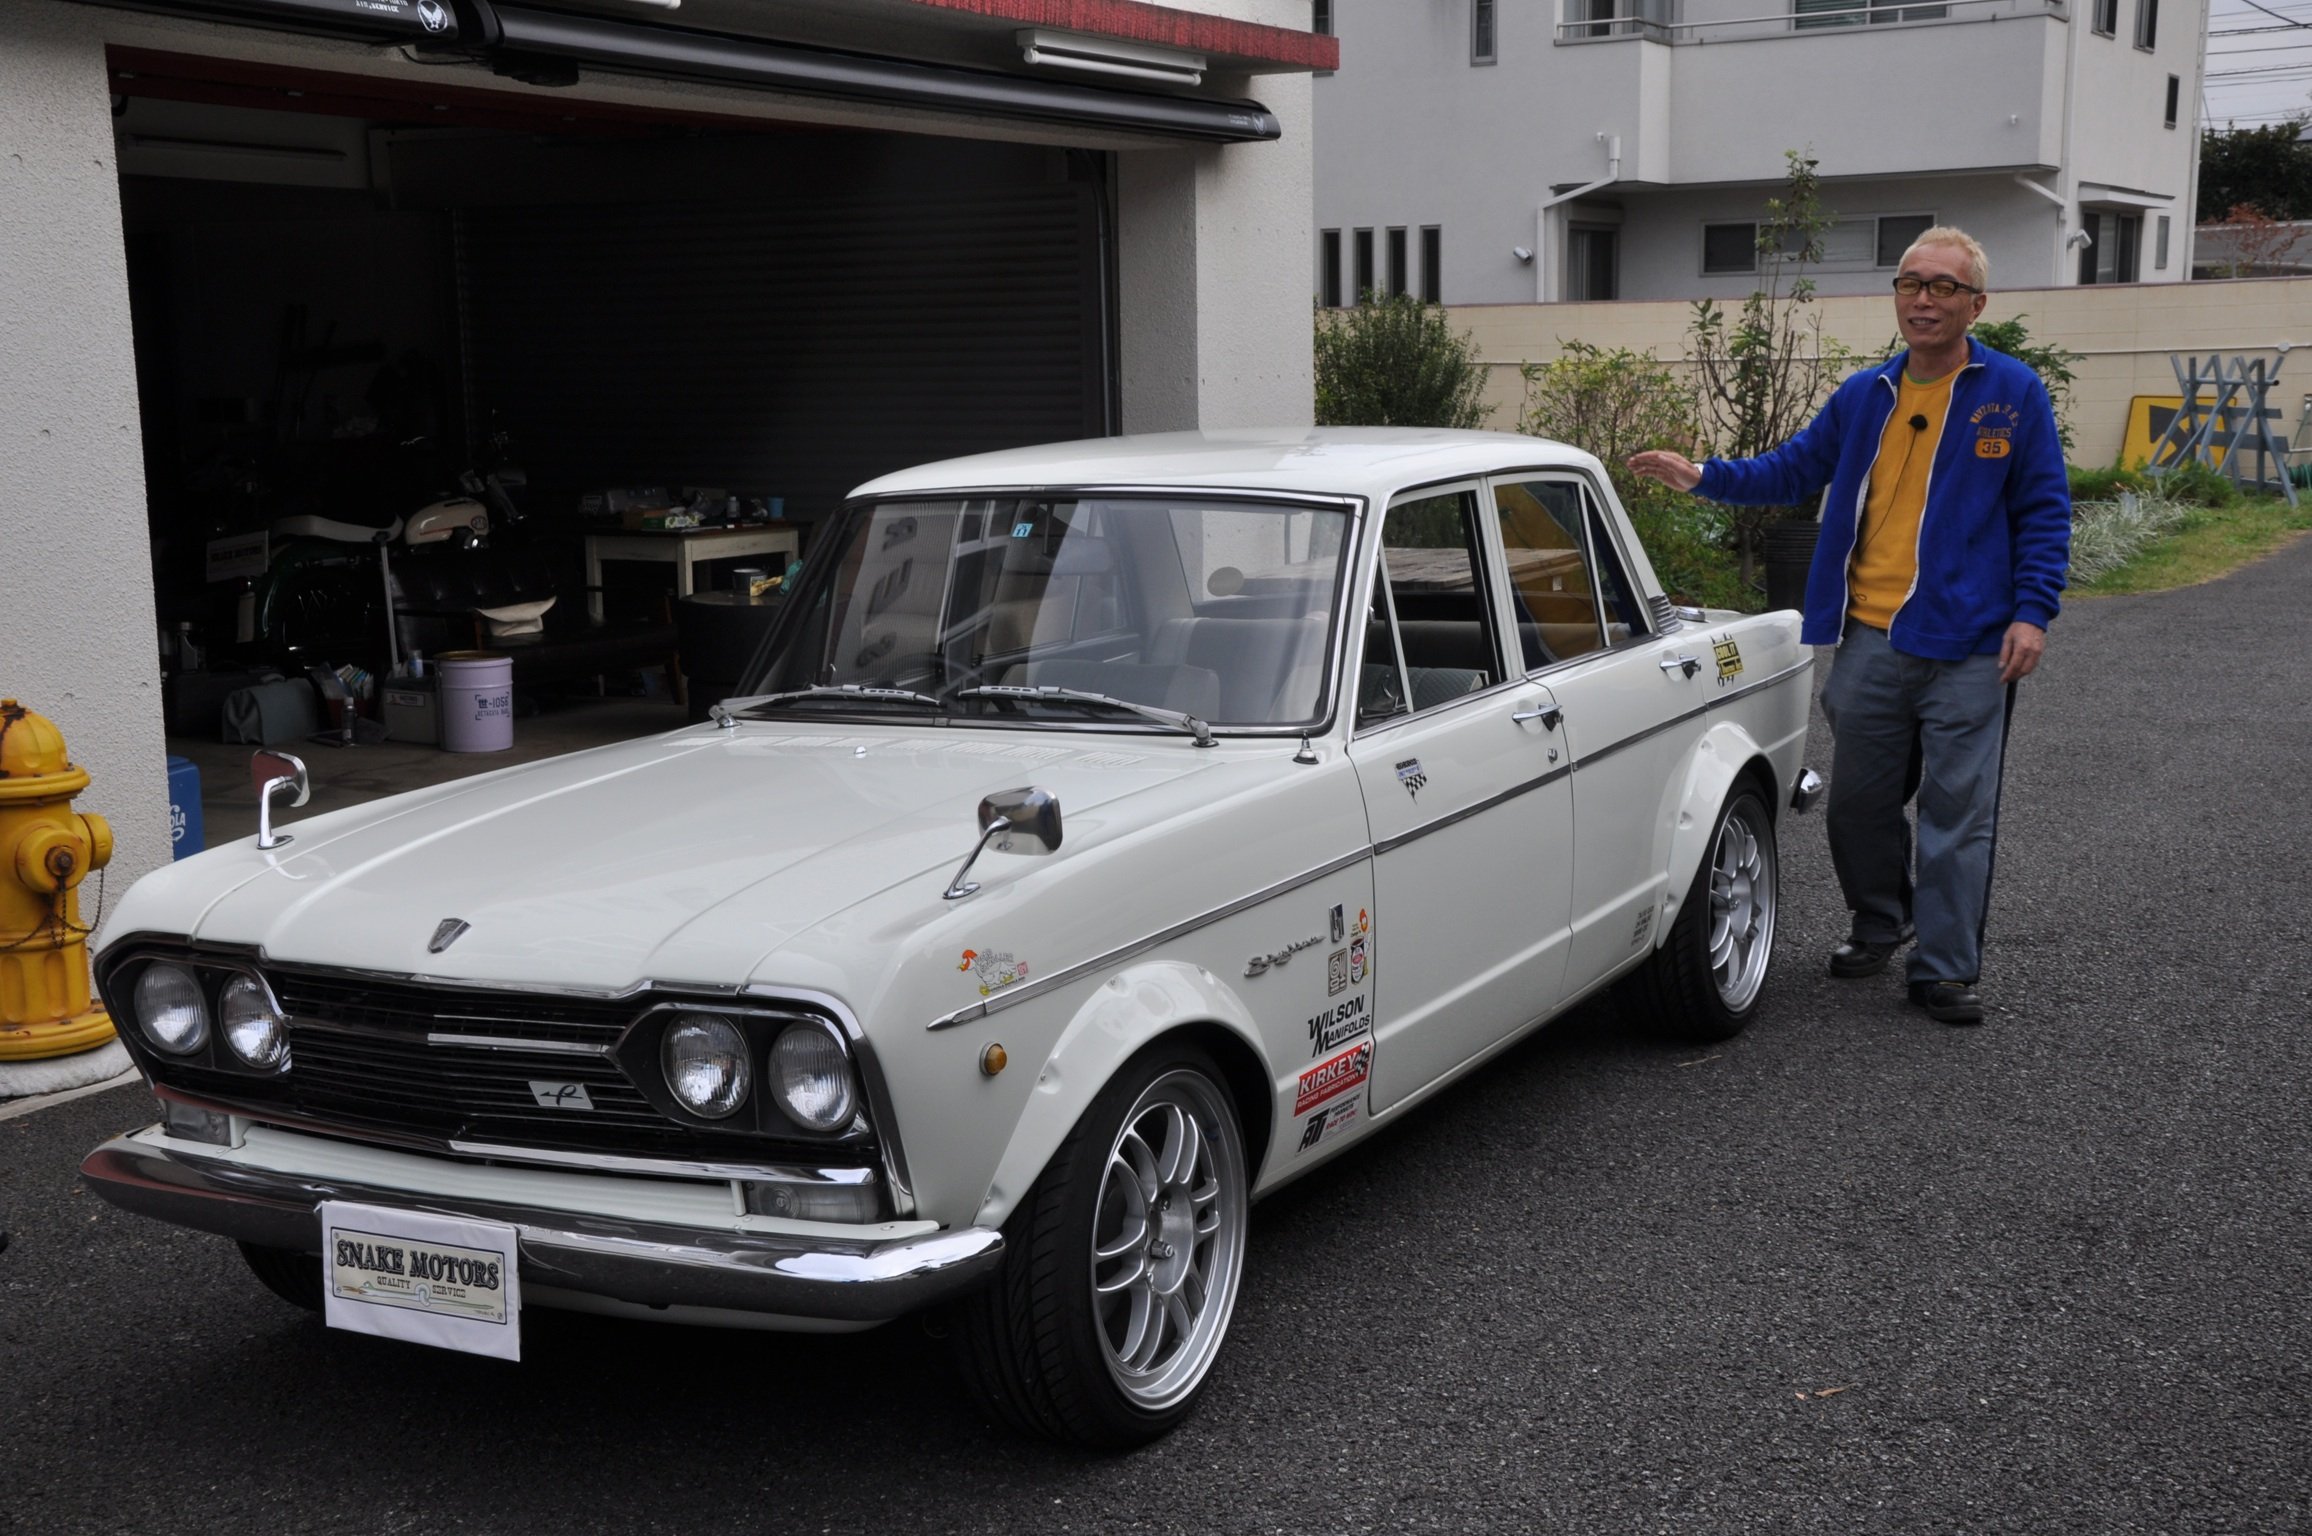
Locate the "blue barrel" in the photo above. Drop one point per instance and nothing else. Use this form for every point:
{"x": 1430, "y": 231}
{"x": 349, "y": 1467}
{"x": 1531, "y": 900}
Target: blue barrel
{"x": 184, "y": 807}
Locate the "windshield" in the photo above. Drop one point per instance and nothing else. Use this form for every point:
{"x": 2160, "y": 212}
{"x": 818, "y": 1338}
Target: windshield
{"x": 1213, "y": 609}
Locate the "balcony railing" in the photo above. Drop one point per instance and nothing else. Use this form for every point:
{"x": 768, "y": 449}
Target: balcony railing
{"x": 1604, "y": 20}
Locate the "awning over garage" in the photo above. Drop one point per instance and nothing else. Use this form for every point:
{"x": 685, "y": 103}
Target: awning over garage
{"x": 546, "y": 46}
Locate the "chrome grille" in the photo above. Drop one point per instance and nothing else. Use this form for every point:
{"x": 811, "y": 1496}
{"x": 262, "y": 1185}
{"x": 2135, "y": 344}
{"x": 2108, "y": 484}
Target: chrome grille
{"x": 367, "y": 1056}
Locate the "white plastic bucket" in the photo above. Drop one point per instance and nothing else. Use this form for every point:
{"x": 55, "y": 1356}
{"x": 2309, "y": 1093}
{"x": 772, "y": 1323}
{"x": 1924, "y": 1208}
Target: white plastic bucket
{"x": 477, "y": 701}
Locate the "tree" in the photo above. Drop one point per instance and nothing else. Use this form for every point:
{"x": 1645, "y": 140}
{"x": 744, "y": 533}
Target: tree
{"x": 2263, "y": 166}
{"x": 1763, "y": 373}
{"x": 1394, "y": 362}
{"x": 2261, "y": 246}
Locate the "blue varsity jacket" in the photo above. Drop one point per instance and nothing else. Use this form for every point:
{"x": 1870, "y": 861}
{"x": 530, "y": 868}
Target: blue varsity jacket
{"x": 1995, "y": 536}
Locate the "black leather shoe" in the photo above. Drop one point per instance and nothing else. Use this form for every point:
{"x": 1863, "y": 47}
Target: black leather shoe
{"x": 1861, "y": 957}
{"x": 1950, "y": 1002}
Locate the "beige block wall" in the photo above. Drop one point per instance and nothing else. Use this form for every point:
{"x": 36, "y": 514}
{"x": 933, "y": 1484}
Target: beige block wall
{"x": 2123, "y": 335}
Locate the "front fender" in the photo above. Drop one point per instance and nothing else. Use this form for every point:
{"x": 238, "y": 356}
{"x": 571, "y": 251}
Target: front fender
{"x": 1717, "y": 760}
{"x": 1124, "y": 1014}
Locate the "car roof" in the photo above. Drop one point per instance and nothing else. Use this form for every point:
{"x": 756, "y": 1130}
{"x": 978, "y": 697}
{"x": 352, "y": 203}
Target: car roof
{"x": 1360, "y": 461}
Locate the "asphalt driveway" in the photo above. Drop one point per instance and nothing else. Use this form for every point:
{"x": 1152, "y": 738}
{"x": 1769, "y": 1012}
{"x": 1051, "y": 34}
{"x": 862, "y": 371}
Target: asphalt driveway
{"x": 1855, "y": 1271}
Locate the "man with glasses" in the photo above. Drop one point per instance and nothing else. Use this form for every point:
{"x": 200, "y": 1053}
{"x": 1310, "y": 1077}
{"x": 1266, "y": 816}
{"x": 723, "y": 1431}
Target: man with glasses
{"x": 1946, "y": 530}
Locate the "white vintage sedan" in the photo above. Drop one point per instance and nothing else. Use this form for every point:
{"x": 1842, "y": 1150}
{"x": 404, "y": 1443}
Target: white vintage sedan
{"x": 1110, "y": 833}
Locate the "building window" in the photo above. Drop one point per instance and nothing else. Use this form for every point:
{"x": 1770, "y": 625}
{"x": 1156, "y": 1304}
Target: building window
{"x": 1321, "y": 18}
{"x": 1592, "y": 253}
{"x": 1481, "y": 39}
{"x": 1848, "y": 245}
{"x": 2114, "y": 241}
{"x": 2159, "y": 245}
{"x": 1895, "y": 233}
{"x": 2147, "y": 24}
{"x": 2175, "y": 89}
{"x": 1397, "y": 276}
{"x": 1364, "y": 257}
{"x": 1432, "y": 264}
{"x": 1329, "y": 269}
{"x": 1729, "y": 248}
{"x": 2106, "y": 22}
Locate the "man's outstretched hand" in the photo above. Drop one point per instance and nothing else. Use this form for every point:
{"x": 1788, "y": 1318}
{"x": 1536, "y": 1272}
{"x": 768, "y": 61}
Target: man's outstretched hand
{"x": 1674, "y": 470}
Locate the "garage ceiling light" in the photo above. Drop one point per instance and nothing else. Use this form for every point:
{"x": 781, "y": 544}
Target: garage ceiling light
{"x": 1106, "y": 56}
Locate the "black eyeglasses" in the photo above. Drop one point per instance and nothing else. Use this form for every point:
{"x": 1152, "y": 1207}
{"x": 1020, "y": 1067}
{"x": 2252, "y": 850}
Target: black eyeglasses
{"x": 1940, "y": 287}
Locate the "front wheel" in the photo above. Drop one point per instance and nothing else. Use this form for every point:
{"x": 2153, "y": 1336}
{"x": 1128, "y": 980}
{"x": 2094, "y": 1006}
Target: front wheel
{"x": 1121, "y": 1265}
{"x": 1703, "y": 983}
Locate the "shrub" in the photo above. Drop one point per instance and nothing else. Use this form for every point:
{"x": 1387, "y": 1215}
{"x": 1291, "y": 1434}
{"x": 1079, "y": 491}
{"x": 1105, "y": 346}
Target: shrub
{"x": 2107, "y": 533}
{"x": 1394, "y": 362}
{"x": 1613, "y": 404}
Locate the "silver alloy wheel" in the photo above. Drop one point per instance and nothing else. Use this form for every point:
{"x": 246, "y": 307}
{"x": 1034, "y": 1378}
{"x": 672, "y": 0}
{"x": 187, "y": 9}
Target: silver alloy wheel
{"x": 1742, "y": 892}
{"x": 1168, "y": 1238}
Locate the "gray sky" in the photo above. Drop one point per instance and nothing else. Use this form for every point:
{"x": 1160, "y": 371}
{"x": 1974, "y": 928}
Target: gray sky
{"x": 2259, "y": 62}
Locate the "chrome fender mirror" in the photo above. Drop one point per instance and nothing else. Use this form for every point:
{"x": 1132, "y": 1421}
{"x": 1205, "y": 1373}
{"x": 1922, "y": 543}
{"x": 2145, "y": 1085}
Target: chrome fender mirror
{"x": 273, "y": 772}
{"x": 1030, "y": 816}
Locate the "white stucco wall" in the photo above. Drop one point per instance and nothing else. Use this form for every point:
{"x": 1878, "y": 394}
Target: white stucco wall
{"x": 1212, "y": 287}
{"x": 77, "y": 637}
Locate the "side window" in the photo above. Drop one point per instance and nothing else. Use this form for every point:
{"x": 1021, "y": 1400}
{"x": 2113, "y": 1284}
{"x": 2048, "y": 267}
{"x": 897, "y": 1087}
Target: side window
{"x": 1430, "y": 637}
{"x": 1551, "y": 594}
{"x": 1625, "y": 612}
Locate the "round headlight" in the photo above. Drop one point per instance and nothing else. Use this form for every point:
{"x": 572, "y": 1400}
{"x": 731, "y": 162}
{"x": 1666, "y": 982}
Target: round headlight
{"x": 706, "y": 1063}
{"x": 252, "y": 1023}
{"x": 171, "y": 1010}
{"x": 812, "y": 1075}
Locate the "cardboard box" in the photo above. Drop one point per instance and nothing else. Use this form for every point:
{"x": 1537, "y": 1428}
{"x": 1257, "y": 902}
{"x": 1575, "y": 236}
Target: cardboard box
{"x": 411, "y": 707}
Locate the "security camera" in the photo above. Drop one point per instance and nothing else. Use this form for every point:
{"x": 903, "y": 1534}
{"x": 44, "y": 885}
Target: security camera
{"x": 2079, "y": 239}
{"x": 1522, "y": 253}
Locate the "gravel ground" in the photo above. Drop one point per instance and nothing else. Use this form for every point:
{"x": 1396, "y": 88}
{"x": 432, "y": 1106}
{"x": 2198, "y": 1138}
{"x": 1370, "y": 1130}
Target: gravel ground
{"x": 1854, "y": 1271}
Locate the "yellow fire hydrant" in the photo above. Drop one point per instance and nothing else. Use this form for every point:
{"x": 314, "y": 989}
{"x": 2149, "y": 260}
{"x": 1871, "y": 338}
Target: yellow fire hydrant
{"x": 46, "y": 849}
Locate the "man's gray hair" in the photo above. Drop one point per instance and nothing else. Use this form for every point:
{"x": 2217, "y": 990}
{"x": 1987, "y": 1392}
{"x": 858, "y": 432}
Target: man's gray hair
{"x": 1953, "y": 235}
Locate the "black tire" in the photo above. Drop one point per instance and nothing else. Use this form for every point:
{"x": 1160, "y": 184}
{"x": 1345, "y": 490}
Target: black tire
{"x": 294, "y": 1277}
{"x": 1055, "y": 1358}
{"x": 1704, "y": 982}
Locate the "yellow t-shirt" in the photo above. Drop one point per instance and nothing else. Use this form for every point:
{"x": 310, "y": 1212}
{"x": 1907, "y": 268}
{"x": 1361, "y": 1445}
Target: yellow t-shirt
{"x": 1886, "y": 546}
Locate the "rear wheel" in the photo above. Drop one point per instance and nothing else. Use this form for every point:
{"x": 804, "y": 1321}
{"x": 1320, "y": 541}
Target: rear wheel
{"x": 1703, "y": 983}
{"x": 294, "y": 1277}
{"x": 1121, "y": 1264}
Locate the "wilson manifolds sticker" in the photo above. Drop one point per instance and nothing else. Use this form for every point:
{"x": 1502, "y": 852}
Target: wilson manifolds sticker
{"x": 1334, "y": 1027}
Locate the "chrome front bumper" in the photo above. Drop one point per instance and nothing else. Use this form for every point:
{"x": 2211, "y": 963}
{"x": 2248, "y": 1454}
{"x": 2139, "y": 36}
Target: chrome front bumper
{"x": 648, "y": 1264}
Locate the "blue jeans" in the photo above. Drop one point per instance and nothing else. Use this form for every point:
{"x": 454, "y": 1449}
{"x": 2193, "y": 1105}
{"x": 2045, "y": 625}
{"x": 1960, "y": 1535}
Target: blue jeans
{"x": 1896, "y": 721}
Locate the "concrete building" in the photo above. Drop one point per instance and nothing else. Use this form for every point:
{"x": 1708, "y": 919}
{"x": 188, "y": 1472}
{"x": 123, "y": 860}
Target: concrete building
{"x": 782, "y": 245}
{"x": 1509, "y": 151}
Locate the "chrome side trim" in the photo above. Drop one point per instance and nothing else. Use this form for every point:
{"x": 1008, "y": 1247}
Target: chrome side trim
{"x": 1054, "y": 979}
{"x": 1731, "y": 694}
{"x": 816, "y": 1274}
{"x": 663, "y": 1167}
{"x": 1390, "y": 844}
{"x": 1591, "y": 759}
{"x": 487, "y": 1042}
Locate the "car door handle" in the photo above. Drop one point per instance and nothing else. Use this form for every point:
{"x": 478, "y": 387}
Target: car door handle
{"x": 1685, "y": 664}
{"x": 1548, "y": 714}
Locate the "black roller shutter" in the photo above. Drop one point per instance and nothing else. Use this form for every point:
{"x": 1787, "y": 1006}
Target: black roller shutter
{"x": 781, "y": 346}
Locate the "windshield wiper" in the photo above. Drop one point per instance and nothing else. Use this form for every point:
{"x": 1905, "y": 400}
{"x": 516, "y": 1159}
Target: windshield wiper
{"x": 1177, "y": 719}
{"x": 853, "y": 692}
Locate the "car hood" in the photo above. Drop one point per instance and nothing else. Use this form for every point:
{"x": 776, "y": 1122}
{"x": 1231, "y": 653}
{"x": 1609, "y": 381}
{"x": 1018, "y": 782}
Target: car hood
{"x": 684, "y": 858}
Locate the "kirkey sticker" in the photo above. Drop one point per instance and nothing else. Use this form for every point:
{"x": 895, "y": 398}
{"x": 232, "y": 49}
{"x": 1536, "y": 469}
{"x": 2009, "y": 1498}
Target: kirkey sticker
{"x": 996, "y": 970}
{"x": 1334, "y": 1076}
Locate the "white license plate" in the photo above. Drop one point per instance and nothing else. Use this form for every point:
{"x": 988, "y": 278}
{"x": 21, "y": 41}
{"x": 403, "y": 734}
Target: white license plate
{"x": 437, "y": 1280}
